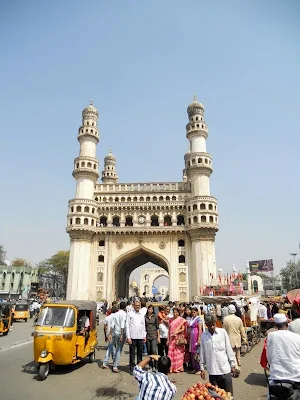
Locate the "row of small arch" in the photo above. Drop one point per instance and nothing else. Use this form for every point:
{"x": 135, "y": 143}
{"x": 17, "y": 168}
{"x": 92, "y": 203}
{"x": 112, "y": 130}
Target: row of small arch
{"x": 204, "y": 219}
{"x": 84, "y": 209}
{"x": 201, "y": 207}
{"x": 193, "y": 126}
{"x": 128, "y": 221}
{"x": 88, "y": 165}
{"x": 148, "y": 198}
{"x": 105, "y": 173}
{"x": 14, "y": 273}
{"x": 142, "y": 208}
{"x": 88, "y": 123}
{"x": 88, "y": 130}
{"x": 196, "y": 118}
{"x": 87, "y": 209}
{"x": 200, "y": 161}
{"x": 154, "y": 220}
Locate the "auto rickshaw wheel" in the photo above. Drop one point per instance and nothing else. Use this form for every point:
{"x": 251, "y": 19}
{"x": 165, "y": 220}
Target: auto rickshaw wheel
{"x": 25, "y": 319}
{"x": 44, "y": 371}
{"x": 5, "y": 333}
{"x": 92, "y": 357}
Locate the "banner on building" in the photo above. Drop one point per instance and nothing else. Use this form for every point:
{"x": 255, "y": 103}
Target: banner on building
{"x": 261, "y": 266}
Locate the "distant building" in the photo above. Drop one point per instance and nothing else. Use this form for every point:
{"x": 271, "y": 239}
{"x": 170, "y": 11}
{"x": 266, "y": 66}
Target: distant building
{"x": 52, "y": 283}
{"x": 262, "y": 285}
{"x": 15, "y": 281}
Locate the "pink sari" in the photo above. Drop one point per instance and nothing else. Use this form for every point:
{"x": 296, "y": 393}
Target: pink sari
{"x": 176, "y": 353}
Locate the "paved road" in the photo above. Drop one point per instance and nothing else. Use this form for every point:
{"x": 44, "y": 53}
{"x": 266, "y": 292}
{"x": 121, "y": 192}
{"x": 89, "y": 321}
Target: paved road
{"x": 89, "y": 382}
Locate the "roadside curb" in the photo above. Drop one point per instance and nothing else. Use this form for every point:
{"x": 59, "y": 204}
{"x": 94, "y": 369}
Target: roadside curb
{"x": 17, "y": 344}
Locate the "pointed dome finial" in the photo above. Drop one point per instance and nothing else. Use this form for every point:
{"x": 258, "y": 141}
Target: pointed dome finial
{"x": 195, "y": 98}
{"x": 91, "y": 101}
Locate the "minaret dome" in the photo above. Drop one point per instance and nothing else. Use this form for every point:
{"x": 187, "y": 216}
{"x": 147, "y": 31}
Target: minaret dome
{"x": 195, "y": 108}
{"x": 109, "y": 174}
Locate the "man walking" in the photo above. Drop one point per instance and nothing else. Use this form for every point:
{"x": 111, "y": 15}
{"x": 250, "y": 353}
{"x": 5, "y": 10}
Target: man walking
{"x": 117, "y": 334}
{"x": 108, "y": 338}
{"x": 136, "y": 334}
{"x": 236, "y": 332}
{"x": 216, "y": 353}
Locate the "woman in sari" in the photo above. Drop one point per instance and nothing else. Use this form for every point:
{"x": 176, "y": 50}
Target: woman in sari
{"x": 195, "y": 331}
{"x": 176, "y": 346}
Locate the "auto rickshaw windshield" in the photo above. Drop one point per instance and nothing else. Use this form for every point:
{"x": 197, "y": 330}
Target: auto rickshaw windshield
{"x": 56, "y": 316}
{"x": 21, "y": 307}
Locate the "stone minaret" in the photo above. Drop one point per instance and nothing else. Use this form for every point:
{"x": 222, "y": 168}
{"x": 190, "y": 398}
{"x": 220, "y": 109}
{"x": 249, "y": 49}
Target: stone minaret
{"x": 82, "y": 216}
{"x": 109, "y": 174}
{"x": 202, "y": 217}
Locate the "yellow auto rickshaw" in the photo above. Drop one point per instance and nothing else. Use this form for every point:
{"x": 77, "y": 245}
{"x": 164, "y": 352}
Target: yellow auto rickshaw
{"x": 64, "y": 334}
{"x": 21, "y": 311}
{"x": 5, "y": 318}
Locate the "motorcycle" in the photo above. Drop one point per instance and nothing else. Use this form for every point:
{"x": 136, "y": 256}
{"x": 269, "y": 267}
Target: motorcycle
{"x": 284, "y": 390}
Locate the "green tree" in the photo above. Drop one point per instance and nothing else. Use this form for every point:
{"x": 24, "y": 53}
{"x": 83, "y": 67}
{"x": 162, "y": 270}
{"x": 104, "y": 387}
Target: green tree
{"x": 2, "y": 255}
{"x": 57, "y": 265}
{"x": 42, "y": 267}
{"x": 288, "y": 275}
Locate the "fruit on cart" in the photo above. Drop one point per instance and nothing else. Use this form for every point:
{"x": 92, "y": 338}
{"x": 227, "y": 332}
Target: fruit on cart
{"x": 205, "y": 391}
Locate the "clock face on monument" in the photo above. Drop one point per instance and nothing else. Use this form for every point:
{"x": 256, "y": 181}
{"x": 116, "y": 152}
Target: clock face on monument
{"x": 141, "y": 219}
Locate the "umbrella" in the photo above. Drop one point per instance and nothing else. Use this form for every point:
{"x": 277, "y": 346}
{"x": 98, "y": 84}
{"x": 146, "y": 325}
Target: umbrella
{"x": 294, "y": 297}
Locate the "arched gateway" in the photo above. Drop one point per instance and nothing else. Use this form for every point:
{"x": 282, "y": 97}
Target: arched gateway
{"x": 116, "y": 227}
{"x": 148, "y": 278}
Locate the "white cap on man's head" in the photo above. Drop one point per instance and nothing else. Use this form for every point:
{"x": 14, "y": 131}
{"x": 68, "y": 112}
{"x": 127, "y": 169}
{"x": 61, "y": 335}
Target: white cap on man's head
{"x": 231, "y": 308}
{"x": 280, "y": 318}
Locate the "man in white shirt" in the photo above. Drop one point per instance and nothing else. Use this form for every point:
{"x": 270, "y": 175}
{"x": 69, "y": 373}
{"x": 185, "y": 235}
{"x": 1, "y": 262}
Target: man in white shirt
{"x": 118, "y": 334}
{"x": 109, "y": 338}
{"x": 283, "y": 355}
{"x": 263, "y": 312}
{"x": 217, "y": 354}
{"x": 136, "y": 334}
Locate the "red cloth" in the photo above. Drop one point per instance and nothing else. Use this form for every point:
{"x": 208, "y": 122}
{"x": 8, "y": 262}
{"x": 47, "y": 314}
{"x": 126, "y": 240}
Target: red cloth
{"x": 263, "y": 357}
{"x": 296, "y": 303}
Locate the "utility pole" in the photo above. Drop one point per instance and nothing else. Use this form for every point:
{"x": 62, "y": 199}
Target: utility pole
{"x": 294, "y": 262}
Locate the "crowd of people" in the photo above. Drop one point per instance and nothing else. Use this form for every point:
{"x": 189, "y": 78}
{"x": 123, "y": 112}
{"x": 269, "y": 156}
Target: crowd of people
{"x": 180, "y": 336}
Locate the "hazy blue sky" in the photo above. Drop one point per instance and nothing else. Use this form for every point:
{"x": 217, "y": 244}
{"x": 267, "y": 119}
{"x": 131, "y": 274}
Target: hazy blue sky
{"x": 142, "y": 61}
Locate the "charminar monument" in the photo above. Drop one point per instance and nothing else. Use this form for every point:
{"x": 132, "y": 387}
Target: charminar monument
{"x": 116, "y": 227}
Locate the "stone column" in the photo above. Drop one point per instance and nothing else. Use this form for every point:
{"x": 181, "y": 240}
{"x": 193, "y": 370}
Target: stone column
{"x": 202, "y": 259}
{"x": 78, "y": 286}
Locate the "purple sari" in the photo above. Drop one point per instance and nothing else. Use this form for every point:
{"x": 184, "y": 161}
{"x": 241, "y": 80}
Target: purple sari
{"x": 194, "y": 333}
{"x": 193, "y": 340}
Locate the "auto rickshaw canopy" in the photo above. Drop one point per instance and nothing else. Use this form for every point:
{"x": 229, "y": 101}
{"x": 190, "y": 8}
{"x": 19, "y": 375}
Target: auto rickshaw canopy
{"x": 81, "y": 305}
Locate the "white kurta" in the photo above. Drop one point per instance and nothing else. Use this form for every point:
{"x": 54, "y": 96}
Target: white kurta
{"x": 283, "y": 355}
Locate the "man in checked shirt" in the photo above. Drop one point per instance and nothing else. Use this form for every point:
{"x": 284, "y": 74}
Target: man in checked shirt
{"x": 154, "y": 386}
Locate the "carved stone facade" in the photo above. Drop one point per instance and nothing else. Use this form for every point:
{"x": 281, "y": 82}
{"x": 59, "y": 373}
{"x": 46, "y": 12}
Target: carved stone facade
{"x": 116, "y": 227}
